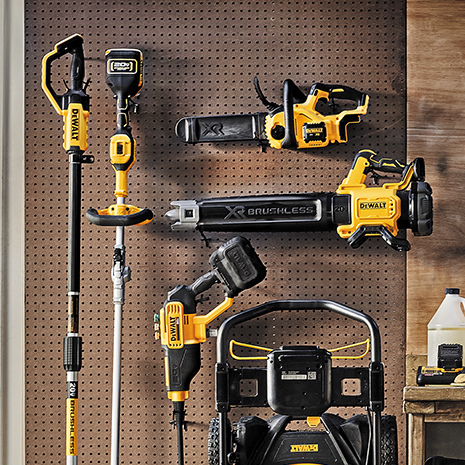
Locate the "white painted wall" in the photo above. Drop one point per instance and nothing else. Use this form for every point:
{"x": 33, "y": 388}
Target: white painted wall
{"x": 12, "y": 350}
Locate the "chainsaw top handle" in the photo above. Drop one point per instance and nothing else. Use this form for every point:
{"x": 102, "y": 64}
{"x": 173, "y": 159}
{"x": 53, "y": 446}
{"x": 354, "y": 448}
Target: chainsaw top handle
{"x": 73, "y": 45}
{"x": 291, "y": 95}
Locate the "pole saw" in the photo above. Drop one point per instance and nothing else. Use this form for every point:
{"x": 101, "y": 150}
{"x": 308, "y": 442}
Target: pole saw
{"x": 300, "y": 122}
{"x": 124, "y": 76}
{"x": 355, "y": 210}
{"x": 237, "y": 267}
{"x": 74, "y": 107}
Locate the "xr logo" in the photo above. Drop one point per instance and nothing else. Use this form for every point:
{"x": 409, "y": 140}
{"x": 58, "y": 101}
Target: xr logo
{"x": 236, "y": 212}
{"x": 215, "y": 128}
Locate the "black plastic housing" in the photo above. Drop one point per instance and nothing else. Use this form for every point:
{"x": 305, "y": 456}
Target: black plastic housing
{"x": 299, "y": 380}
{"x": 237, "y": 266}
{"x": 450, "y": 356}
{"x": 124, "y": 71}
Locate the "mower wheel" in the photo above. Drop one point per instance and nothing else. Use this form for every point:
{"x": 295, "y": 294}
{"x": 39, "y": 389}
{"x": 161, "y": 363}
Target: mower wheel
{"x": 389, "y": 440}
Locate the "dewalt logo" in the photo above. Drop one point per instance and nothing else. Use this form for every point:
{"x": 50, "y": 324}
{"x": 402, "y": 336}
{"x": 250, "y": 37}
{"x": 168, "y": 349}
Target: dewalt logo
{"x": 372, "y": 205}
{"x": 174, "y": 329}
{"x": 75, "y": 124}
{"x": 304, "y": 447}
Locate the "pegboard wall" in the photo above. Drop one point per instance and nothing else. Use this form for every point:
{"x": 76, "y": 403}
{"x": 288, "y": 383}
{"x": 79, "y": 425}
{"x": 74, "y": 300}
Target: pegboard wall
{"x": 200, "y": 58}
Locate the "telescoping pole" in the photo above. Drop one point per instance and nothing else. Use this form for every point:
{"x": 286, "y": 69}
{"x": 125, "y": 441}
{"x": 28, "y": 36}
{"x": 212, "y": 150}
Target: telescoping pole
{"x": 74, "y": 107}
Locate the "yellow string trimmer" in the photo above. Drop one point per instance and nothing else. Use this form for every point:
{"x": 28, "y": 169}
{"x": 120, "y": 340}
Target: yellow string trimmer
{"x": 124, "y": 73}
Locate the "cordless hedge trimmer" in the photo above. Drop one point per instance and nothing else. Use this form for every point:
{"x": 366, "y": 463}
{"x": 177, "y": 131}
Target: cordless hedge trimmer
{"x": 355, "y": 210}
{"x": 301, "y": 122}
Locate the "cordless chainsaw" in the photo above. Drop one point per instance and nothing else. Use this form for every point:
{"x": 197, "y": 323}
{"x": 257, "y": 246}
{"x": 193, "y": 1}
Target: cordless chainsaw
{"x": 301, "y": 122}
{"x": 355, "y": 210}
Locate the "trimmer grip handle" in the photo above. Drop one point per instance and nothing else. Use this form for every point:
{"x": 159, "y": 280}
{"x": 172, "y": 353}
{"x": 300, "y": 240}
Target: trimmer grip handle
{"x": 105, "y": 218}
{"x": 74, "y": 46}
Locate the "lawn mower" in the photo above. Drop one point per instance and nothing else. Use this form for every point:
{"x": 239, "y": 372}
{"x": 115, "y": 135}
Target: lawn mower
{"x": 300, "y": 383}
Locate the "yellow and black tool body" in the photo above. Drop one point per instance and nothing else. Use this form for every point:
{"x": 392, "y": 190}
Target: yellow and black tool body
{"x": 436, "y": 375}
{"x": 356, "y": 211}
{"x": 125, "y": 79}
{"x": 448, "y": 369}
{"x": 123, "y": 74}
{"x": 73, "y": 106}
{"x": 297, "y": 123}
{"x": 385, "y": 210}
{"x": 237, "y": 267}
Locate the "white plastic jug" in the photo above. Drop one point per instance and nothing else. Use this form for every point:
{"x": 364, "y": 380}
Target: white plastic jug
{"x": 447, "y": 325}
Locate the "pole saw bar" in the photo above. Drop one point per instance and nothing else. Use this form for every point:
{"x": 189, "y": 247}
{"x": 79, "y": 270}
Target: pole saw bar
{"x": 74, "y": 107}
{"x": 355, "y": 210}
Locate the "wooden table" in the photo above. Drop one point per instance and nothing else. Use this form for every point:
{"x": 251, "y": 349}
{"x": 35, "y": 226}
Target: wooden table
{"x": 434, "y": 404}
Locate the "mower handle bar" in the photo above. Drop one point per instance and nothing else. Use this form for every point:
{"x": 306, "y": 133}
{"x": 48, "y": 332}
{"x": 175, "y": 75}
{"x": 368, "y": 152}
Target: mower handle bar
{"x": 276, "y": 305}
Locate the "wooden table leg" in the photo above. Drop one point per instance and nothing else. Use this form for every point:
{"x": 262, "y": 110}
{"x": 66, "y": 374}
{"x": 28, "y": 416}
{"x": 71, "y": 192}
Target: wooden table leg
{"x": 416, "y": 439}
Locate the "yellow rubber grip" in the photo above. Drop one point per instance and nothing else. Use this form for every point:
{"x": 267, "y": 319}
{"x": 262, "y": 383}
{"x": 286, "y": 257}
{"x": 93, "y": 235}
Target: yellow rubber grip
{"x": 75, "y": 121}
{"x": 122, "y": 158}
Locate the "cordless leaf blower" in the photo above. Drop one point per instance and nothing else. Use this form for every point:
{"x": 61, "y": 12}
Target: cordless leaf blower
{"x": 237, "y": 267}
{"x": 73, "y": 106}
{"x": 124, "y": 76}
{"x": 356, "y": 211}
{"x": 301, "y": 122}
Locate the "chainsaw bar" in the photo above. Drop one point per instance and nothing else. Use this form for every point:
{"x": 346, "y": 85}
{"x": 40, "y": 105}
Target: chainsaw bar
{"x": 223, "y": 128}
